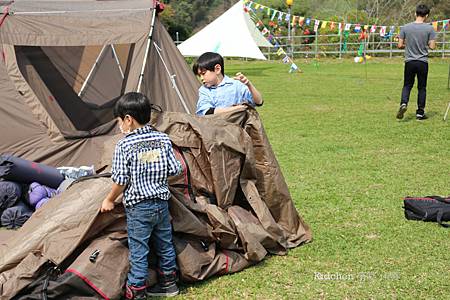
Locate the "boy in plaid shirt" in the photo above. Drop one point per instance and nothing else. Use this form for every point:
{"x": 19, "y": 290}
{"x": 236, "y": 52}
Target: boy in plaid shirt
{"x": 143, "y": 159}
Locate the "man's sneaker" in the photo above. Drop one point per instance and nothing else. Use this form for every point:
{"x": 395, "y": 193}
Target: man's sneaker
{"x": 401, "y": 111}
{"x": 133, "y": 292}
{"x": 420, "y": 117}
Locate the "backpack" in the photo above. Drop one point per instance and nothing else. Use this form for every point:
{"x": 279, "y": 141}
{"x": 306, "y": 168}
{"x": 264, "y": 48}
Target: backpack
{"x": 428, "y": 209}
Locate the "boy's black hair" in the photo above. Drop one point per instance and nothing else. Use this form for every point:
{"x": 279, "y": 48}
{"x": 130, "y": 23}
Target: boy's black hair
{"x": 422, "y": 10}
{"x": 207, "y": 61}
{"x": 134, "y": 104}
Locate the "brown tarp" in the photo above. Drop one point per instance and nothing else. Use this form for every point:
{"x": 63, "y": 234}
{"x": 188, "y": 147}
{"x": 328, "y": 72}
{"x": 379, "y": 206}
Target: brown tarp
{"x": 230, "y": 207}
{"x": 236, "y": 210}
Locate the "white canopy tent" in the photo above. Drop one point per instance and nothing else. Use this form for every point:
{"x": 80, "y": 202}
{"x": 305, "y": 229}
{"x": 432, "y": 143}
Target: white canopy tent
{"x": 233, "y": 34}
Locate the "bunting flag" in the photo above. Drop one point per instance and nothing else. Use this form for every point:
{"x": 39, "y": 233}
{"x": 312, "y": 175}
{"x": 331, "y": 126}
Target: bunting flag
{"x": 288, "y": 18}
{"x": 293, "y": 68}
{"x": 273, "y": 15}
{"x": 373, "y": 28}
{"x": 332, "y": 25}
{"x": 308, "y": 21}
{"x": 280, "y": 51}
{"x": 435, "y": 26}
{"x": 383, "y": 31}
{"x": 445, "y": 24}
{"x": 347, "y": 27}
{"x": 324, "y": 25}
{"x": 280, "y": 16}
{"x": 286, "y": 59}
{"x": 340, "y": 28}
{"x": 357, "y": 28}
{"x": 316, "y": 25}
{"x": 293, "y": 20}
{"x": 301, "y": 20}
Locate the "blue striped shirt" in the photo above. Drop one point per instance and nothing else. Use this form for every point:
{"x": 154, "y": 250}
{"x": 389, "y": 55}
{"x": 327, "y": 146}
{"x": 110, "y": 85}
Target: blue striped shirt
{"x": 227, "y": 93}
{"x": 142, "y": 161}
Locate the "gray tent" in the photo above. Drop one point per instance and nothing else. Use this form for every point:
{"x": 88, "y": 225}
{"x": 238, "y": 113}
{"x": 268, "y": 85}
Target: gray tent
{"x": 231, "y": 206}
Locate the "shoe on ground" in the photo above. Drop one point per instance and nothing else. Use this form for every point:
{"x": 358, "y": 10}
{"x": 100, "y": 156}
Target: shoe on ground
{"x": 135, "y": 293}
{"x": 401, "y": 111}
{"x": 159, "y": 290}
{"x": 420, "y": 117}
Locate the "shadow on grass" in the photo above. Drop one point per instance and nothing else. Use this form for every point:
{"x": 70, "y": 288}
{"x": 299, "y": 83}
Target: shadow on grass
{"x": 430, "y": 115}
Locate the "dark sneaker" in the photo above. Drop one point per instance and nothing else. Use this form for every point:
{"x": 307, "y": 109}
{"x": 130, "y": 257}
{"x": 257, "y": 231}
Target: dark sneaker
{"x": 420, "y": 117}
{"x": 401, "y": 111}
{"x": 159, "y": 290}
{"x": 134, "y": 292}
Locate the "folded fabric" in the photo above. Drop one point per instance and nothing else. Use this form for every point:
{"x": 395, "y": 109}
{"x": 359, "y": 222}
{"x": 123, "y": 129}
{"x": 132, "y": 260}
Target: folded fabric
{"x": 75, "y": 173}
{"x": 23, "y": 171}
{"x": 10, "y": 192}
{"x": 37, "y": 192}
{"x": 14, "y": 217}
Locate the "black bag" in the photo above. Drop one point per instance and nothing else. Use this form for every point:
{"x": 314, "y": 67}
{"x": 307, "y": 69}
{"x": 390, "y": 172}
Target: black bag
{"x": 428, "y": 209}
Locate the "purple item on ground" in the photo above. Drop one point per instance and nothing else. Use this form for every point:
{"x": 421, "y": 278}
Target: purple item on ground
{"x": 14, "y": 217}
{"x": 20, "y": 170}
{"x": 42, "y": 202}
{"x": 10, "y": 192}
{"x": 38, "y": 192}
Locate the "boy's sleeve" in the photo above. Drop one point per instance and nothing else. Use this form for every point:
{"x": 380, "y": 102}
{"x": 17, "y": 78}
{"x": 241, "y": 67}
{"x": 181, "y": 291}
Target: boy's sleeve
{"x": 247, "y": 95}
{"x": 174, "y": 165}
{"x": 119, "y": 171}
{"x": 204, "y": 102}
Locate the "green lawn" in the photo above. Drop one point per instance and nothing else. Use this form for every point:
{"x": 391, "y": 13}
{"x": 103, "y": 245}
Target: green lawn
{"x": 348, "y": 163}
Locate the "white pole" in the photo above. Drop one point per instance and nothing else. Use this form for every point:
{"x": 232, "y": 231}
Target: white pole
{"x": 117, "y": 61}
{"x": 147, "y": 49}
{"x": 172, "y": 79}
{"x": 91, "y": 71}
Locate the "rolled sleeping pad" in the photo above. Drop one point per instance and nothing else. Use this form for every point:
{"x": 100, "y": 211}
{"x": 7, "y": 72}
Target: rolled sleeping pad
{"x": 10, "y": 192}
{"x": 37, "y": 192}
{"x": 20, "y": 170}
{"x": 14, "y": 217}
{"x": 42, "y": 202}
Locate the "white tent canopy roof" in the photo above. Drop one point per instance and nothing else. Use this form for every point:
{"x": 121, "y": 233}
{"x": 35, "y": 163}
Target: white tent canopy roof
{"x": 233, "y": 34}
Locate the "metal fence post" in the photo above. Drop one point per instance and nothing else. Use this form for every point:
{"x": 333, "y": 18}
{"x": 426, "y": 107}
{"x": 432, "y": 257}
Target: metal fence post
{"x": 317, "y": 43}
{"x": 444, "y": 32}
{"x": 340, "y": 44}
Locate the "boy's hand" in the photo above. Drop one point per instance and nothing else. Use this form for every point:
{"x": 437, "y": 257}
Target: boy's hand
{"x": 241, "y": 77}
{"x": 107, "y": 206}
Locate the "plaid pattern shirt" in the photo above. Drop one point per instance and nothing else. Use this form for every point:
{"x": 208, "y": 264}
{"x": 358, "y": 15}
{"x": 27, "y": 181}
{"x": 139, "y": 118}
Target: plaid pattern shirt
{"x": 142, "y": 161}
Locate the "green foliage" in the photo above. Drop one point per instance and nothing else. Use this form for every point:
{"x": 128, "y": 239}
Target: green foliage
{"x": 348, "y": 163}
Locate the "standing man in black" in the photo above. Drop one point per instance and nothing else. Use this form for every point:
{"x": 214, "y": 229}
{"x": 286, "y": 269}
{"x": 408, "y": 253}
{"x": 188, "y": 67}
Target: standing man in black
{"x": 416, "y": 38}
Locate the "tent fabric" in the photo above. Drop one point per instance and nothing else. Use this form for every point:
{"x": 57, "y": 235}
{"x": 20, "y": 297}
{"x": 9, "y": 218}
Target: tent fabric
{"x": 10, "y": 193}
{"x": 48, "y": 49}
{"x": 233, "y": 34}
{"x": 236, "y": 211}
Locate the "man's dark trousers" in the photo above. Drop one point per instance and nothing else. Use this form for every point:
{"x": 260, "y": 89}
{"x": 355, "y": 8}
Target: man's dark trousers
{"x": 413, "y": 68}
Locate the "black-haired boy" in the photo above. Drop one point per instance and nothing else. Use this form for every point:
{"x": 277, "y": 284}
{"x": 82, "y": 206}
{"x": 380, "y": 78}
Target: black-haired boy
{"x": 142, "y": 161}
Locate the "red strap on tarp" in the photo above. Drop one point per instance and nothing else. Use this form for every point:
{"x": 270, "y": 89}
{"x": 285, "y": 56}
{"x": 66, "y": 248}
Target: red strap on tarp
{"x": 88, "y": 282}
{"x": 5, "y": 14}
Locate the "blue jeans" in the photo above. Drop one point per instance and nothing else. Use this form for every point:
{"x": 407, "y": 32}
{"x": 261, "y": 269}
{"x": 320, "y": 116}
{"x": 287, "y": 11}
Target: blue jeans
{"x": 149, "y": 221}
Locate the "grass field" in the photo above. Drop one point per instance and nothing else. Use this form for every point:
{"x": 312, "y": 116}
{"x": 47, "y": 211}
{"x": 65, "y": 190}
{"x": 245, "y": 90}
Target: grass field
{"x": 348, "y": 163}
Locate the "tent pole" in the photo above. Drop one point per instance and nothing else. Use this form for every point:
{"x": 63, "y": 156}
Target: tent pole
{"x": 172, "y": 79}
{"x": 91, "y": 71}
{"x": 147, "y": 49}
{"x": 117, "y": 61}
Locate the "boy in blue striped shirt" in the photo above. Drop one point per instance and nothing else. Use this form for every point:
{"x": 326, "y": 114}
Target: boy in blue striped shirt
{"x": 142, "y": 161}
